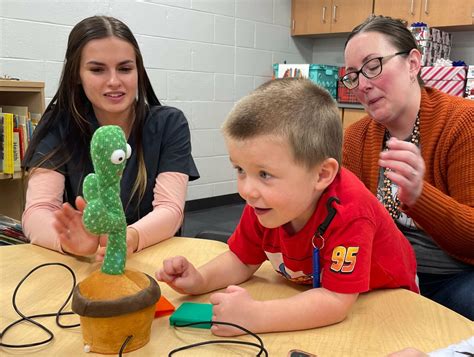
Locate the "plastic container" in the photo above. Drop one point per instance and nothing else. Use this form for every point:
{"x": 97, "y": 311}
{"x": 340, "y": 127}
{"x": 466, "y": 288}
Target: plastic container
{"x": 323, "y": 75}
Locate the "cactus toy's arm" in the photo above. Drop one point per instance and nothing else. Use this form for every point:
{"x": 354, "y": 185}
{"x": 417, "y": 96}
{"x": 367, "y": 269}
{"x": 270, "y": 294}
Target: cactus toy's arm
{"x": 91, "y": 187}
{"x": 95, "y": 213}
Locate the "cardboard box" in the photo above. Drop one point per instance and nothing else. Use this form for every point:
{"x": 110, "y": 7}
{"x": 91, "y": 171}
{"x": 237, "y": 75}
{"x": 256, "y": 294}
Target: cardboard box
{"x": 443, "y": 73}
{"x": 422, "y": 33}
{"x": 455, "y": 88}
{"x": 470, "y": 71}
{"x": 433, "y": 43}
{"x": 450, "y": 80}
{"x": 470, "y": 88}
{"x": 436, "y": 35}
{"x": 446, "y": 51}
{"x": 447, "y": 38}
{"x": 426, "y": 48}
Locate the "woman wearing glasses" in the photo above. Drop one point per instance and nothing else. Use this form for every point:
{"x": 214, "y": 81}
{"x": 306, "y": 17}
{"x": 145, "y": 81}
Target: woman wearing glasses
{"x": 415, "y": 151}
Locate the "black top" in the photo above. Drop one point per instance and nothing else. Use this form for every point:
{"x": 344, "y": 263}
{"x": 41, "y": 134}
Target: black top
{"x": 166, "y": 148}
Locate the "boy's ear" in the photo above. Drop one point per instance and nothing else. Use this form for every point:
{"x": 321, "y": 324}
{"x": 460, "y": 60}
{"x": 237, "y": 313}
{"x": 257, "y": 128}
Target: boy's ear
{"x": 326, "y": 172}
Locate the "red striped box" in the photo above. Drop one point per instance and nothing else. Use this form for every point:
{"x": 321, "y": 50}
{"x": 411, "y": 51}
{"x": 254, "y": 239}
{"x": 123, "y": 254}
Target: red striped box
{"x": 450, "y": 80}
{"x": 344, "y": 95}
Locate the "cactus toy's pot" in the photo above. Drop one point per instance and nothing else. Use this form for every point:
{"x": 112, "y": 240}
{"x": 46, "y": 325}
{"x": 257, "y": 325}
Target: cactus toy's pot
{"x": 113, "y": 307}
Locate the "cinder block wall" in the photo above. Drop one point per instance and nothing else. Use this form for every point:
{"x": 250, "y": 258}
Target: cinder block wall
{"x": 330, "y": 50}
{"x": 201, "y": 55}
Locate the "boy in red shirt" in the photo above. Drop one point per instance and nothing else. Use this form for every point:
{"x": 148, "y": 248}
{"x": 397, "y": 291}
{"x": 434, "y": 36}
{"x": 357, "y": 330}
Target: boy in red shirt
{"x": 313, "y": 220}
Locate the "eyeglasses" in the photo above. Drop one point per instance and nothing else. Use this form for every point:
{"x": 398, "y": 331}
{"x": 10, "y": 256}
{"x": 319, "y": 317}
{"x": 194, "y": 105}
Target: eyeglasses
{"x": 370, "y": 69}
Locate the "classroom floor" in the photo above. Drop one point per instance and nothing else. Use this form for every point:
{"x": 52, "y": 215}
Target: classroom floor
{"x": 212, "y": 223}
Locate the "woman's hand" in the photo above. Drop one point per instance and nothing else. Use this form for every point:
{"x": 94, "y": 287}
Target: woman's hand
{"x": 132, "y": 244}
{"x": 73, "y": 236}
{"x": 407, "y": 169}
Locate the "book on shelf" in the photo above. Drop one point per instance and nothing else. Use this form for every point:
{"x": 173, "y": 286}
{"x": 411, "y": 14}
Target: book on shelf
{"x": 1, "y": 141}
{"x": 17, "y": 146}
{"x": 15, "y": 109}
{"x": 17, "y": 125}
{"x": 11, "y": 231}
{"x": 8, "y": 160}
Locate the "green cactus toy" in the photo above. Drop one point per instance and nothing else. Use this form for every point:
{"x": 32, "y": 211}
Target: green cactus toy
{"x": 104, "y": 212}
{"x": 113, "y": 303}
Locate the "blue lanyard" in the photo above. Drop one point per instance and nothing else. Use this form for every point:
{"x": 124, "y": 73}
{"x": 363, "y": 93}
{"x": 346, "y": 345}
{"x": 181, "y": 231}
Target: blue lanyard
{"x": 316, "y": 270}
{"x": 318, "y": 240}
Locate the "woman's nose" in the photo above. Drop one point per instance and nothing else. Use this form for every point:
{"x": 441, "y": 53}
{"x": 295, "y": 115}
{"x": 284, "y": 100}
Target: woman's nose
{"x": 364, "y": 83}
{"x": 113, "y": 79}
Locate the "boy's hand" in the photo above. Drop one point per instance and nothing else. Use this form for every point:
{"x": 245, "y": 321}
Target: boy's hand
{"x": 181, "y": 275}
{"x": 235, "y": 305}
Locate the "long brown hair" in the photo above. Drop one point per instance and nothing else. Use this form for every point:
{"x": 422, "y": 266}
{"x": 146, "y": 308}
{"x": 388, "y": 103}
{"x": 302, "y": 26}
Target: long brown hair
{"x": 71, "y": 99}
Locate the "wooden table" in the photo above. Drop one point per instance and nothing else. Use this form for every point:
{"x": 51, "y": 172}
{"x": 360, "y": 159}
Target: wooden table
{"x": 380, "y": 322}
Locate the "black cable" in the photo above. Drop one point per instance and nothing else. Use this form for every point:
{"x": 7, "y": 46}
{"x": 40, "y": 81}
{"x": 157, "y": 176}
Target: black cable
{"x": 210, "y": 342}
{"x": 30, "y": 318}
{"x": 260, "y": 345}
{"x": 60, "y": 313}
{"x": 124, "y": 344}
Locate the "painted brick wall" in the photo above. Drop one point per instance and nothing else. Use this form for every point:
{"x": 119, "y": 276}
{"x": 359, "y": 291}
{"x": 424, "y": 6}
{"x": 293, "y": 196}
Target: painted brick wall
{"x": 201, "y": 55}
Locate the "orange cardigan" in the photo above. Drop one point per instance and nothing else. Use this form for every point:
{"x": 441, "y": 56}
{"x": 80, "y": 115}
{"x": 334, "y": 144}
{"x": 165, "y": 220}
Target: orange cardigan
{"x": 445, "y": 209}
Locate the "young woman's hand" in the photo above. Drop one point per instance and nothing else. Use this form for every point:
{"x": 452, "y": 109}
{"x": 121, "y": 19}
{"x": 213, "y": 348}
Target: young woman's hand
{"x": 132, "y": 244}
{"x": 181, "y": 275}
{"x": 73, "y": 236}
{"x": 407, "y": 169}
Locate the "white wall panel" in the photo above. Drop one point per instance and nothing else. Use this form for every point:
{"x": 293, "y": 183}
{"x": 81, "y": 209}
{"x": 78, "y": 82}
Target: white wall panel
{"x": 201, "y": 57}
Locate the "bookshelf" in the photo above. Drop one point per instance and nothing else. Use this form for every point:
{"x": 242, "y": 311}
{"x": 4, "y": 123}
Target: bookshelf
{"x": 12, "y": 187}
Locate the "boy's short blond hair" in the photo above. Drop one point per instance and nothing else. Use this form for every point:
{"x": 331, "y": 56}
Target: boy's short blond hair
{"x": 295, "y": 109}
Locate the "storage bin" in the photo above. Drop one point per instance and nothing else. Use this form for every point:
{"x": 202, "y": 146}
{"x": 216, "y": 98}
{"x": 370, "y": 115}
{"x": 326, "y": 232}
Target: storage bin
{"x": 322, "y": 74}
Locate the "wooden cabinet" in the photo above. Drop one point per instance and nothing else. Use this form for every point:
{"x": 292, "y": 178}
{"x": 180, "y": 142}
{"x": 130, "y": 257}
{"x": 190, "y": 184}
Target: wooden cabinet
{"x": 350, "y": 116}
{"x": 435, "y": 13}
{"x": 12, "y": 187}
{"x": 408, "y": 10}
{"x": 316, "y": 17}
{"x": 441, "y": 13}
{"x": 347, "y": 14}
{"x": 312, "y": 17}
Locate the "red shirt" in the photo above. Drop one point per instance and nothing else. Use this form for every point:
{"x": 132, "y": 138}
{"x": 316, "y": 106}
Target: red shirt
{"x": 363, "y": 248}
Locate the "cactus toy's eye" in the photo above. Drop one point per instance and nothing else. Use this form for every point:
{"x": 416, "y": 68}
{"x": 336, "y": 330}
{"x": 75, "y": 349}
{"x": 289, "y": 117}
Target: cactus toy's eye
{"x": 129, "y": 151}
{"x": 117, "y": 157}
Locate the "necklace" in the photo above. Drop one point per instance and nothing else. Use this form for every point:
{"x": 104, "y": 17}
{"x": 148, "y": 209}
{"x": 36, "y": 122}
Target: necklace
{"x": 391, "y": 203}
